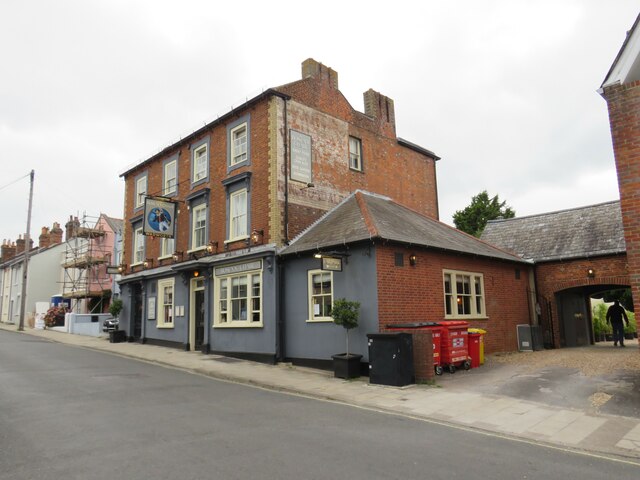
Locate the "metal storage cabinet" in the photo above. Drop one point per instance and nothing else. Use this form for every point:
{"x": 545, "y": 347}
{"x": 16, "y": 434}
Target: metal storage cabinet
{"x": 391, "y": 359}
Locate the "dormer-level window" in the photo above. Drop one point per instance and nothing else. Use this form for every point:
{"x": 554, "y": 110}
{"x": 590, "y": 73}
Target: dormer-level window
{"x": 355, "y": 154}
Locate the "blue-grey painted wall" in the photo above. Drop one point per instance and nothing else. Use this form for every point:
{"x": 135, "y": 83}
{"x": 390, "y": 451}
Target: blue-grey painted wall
{"x": 318, "y": 341}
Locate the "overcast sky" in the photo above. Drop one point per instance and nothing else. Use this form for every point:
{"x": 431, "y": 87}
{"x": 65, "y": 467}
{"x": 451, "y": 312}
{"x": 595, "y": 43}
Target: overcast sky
{"x": 503, "y": 91}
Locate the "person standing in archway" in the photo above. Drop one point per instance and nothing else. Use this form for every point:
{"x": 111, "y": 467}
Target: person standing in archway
{"x": 615, "y": 314}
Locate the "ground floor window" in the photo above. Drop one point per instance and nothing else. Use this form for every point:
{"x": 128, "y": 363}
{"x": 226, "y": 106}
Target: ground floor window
{"x": 239, "y": 296}
{"x": 320, "y": 295}
{"x": 165, "y": 303}
{"x": 463, "y": 294}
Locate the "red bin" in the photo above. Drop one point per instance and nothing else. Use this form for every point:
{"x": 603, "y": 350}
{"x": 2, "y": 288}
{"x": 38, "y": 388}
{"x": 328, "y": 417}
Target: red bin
{"x": 455, "y": 345}
{"x": 474, "y": 349}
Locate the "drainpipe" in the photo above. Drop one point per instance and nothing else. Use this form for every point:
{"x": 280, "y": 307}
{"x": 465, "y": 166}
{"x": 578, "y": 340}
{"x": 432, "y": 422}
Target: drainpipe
{"x": 280, "y": 324}
{"x": 286, "y": 175}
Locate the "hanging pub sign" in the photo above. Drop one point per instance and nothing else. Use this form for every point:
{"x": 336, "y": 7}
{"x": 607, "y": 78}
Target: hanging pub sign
{"x": 159, "y": 217}
{"x": 333, "y": 264}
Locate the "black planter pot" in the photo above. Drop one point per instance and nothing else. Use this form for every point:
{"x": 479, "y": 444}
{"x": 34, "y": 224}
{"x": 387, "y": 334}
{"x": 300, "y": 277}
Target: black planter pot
{"x": 346, "y": 366}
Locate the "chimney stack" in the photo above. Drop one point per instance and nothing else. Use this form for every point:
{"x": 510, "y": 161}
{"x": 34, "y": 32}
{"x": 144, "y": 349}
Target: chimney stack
{"x": 311, "y": 68}
{"x": 380, "y": 107}
{"x": 7, "y": 251}
{"x": 72, "y": 227}
{"x": 56, "y": 234}
{"x": 20, "y": 245}
{"x": 44, "y": 240}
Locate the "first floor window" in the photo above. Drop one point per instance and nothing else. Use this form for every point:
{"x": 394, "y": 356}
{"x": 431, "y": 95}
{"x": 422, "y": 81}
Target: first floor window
{"x": 138, "y": 246}
{"x": 238, "y": 215}
{"x": 199, "y": 227}
{"x": 463, "y": 294}
{"x": 165, "y": 300}
{"x": 240, "y": 299}
{"x": 355, "y": 153}
{"x": 320, "y": 295}
{"x": 167, "y": 247}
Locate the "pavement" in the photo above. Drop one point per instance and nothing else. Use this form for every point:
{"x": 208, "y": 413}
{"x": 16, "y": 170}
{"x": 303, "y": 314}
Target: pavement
{"x": 478, "y": 400}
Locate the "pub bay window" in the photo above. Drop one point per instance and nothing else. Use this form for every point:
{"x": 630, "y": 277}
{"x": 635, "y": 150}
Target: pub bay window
{"x": 463, "y": 294}
{"x": 239, "y": 299}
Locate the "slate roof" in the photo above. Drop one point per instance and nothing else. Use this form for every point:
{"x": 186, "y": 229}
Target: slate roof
{"x": 583, "y": 232}
{"x": 366, "y": 216}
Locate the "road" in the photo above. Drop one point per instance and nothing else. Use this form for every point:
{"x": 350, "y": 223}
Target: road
{"x": 73, "y": 413}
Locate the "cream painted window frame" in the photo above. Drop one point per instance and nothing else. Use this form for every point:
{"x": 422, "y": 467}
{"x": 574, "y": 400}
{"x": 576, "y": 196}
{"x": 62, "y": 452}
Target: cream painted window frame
{"x": 160, "y": 303}
{"x": 454, "y": 297}
{"x": 248, "y": 323}
{"x": 311, "y": 318}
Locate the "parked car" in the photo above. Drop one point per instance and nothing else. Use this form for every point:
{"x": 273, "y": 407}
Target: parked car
{"x": 110, "y": 325}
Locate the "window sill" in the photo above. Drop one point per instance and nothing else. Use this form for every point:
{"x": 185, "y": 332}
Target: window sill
{"x": 239, "y": 239}
{"x": 165, "y": 257}
{"x": 320, "y": 320}
{"x": 164, "y": 326}
{"x": 136, "y": 264}
{"x": 467, "y": 318}
{"x": 199, "y": 249}
{"x": 358, "y": 170}
{"x": 239, "y": 325}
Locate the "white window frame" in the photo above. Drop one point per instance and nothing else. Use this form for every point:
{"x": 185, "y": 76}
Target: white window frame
{"x": 200, "y": 163}
{"x": 224, "y": 293}
{"x": 472, "y": 300}
{"x": 311, "y": 295}
{"x": 141, "y": 192}
{"x": 238, "y": 221}
{"x": 196, "y": 227}
{"x": 138, "y": 247}
{"x": 355, "y": 158}
{"x": 168, "y": 187}
{"x": 241, "y": 155}
{"x": 167, "y": 247}
{"x": 166, "y": 310}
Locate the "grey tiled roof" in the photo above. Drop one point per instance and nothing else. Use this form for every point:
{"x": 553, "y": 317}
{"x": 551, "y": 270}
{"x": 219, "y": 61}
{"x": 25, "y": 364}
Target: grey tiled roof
{"x": 364, "y": 216}
{"x": 576, "y": 233}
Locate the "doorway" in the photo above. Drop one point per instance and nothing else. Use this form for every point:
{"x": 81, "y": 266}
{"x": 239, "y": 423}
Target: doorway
{"x": 574, "y": 319}
{"x": 137, "y": 312}
{"x": 196, "y": 314}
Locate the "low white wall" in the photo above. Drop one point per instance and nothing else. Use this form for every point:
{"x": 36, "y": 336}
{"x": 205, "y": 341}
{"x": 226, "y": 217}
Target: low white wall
{"x": 87, "y": 324}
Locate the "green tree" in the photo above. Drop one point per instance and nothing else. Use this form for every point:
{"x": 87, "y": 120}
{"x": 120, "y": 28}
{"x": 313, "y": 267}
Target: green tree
{"x": 474, "y": 218}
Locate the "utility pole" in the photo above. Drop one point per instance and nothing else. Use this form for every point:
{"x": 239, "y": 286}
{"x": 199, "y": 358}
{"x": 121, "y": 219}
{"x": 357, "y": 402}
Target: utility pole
{"x": 25, "y": 267}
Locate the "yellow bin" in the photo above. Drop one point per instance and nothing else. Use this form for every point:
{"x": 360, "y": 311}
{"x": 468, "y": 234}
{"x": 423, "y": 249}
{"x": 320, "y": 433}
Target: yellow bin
{"x": 482, "y": 333}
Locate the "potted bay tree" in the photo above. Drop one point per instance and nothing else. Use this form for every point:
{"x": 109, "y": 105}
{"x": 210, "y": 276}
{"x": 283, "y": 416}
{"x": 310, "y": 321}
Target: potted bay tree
{"x": 345, "y": 313}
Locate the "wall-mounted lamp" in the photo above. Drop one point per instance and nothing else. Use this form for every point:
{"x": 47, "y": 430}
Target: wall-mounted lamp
{"x": 317, "y": 255}
{"x": 122, "y": 268}
{"x": 413, "y": 260}
{"x": 212, "y": 247}
{"x": 591, "y": 273}
{"x": 308, "y": 185}
{"x": 177, "y": 256}
{"x": 148, "y": 262}
{"x": 257, "y": 236}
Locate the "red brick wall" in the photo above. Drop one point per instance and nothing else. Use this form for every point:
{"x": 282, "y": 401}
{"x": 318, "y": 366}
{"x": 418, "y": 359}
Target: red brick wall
{"x": 553, "y": 277}
{"x": 416, "y": 293}
{"x": 217, "y": 196}
{"x": 320, "y": 110}
{"x": 624, "y": 118}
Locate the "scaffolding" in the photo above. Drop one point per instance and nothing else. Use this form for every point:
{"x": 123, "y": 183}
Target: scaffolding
{"x": 86, "y": 282}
